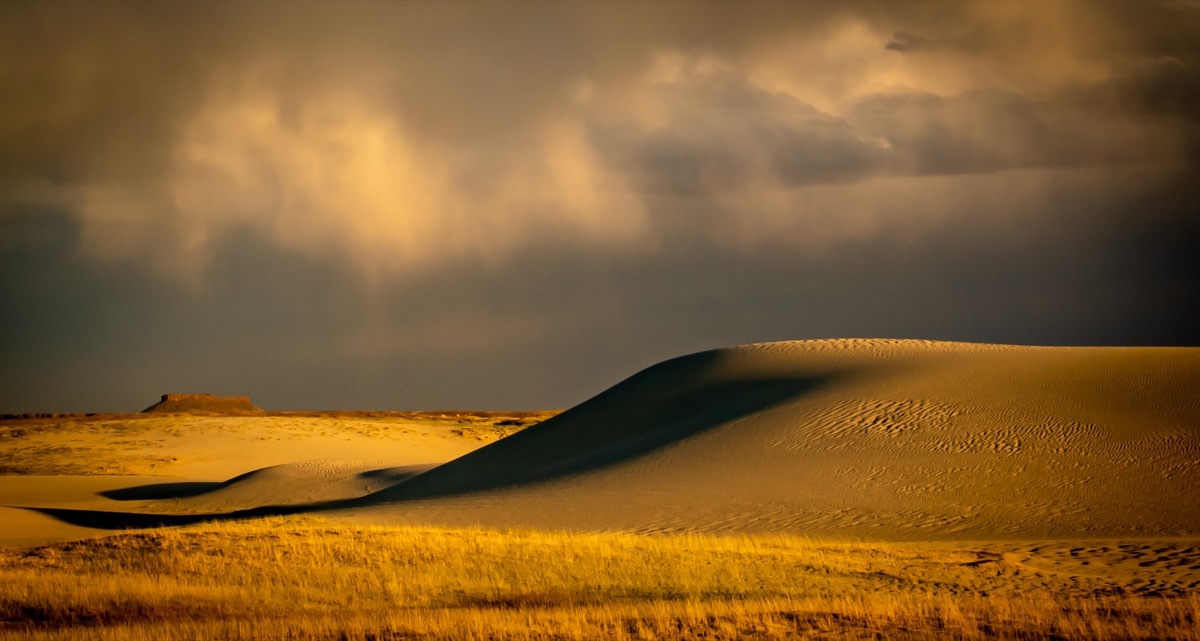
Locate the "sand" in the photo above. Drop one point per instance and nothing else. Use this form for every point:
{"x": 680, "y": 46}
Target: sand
{"x": 193, "y": 464}
{"x": 993, "y": 490}
{"x": 845, "y": 439}
{"x": 861, "y": 439}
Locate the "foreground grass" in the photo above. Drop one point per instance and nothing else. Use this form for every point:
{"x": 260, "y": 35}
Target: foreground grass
{"x": 310, "y": 579}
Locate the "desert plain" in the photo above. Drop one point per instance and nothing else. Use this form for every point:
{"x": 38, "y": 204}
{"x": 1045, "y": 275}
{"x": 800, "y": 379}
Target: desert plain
{"x": 815, "y": 489}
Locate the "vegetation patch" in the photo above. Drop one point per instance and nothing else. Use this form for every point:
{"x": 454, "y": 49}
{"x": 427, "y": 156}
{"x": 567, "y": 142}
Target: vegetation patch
{"x": 307, "y": 578}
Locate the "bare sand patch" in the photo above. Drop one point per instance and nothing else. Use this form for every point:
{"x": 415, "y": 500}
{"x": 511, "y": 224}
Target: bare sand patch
{"x": 850, "y": 439}
{"x": 858, "y": 489}
{"x": 895, "y": 440}
{"x": 172, "y": 462}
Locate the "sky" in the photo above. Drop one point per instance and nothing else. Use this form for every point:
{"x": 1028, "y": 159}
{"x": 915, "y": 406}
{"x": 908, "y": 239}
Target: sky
{"x": 397, "y": 205}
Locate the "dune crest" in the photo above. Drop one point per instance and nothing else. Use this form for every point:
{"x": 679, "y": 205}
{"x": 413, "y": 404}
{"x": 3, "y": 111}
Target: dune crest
{"x": 304, "y": 483}
{"x": 862, "y": 438}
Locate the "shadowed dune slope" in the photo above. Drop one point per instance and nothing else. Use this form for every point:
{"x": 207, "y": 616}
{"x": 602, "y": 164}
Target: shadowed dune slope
{"x": 861, "y": 438}
{"x": 303, "y": 484}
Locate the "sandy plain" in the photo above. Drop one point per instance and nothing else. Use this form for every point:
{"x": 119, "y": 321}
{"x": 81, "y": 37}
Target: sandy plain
{"x": 811, "y": 488}
{"x": 169, "y": 462}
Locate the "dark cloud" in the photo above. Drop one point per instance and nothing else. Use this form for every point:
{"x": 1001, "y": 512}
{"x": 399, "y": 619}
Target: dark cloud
{"x": 555, "y": 325}
{"x": 727, "y": 135}
{"x": 905, "y": 42}
{"x": 981, "y": 131}
{"x": 451, "y": 204}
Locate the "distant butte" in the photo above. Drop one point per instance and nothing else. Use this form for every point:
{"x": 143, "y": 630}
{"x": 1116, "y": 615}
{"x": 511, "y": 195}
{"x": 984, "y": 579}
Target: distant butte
{"x": 203, "y": 404}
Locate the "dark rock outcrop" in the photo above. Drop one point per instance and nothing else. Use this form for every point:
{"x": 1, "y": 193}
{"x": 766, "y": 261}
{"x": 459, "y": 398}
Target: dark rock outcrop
{"x": 203, "y": 404}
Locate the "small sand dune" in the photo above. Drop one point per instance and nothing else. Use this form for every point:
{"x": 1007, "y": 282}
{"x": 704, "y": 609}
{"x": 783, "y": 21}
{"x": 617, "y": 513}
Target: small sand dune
{"x": 306, "y": 483}
{"x": 112, "y": 471}
{"x": 851, "y": 438}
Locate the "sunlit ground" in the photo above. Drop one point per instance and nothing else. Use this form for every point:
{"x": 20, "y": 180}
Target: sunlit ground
{"x": 305, "y": 578}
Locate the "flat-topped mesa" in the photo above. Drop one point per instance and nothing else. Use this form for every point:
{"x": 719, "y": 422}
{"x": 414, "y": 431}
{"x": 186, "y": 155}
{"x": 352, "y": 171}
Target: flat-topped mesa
{"x": 204, "y": 404}
{"x": 204, "y": 398}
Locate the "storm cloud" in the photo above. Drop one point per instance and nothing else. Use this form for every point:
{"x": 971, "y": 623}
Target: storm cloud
{"x": 452, "y": 203}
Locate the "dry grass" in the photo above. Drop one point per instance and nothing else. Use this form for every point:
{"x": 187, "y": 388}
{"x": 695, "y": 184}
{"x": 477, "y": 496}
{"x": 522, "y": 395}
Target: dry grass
{"x": 312, "y": 579}
{"x": 153, "y": 443}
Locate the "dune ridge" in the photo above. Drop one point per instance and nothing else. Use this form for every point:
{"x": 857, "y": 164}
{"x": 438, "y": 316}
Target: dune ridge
{"x": 894, "y": 439}
{"x": 841, "y": 438}
{"x": 939, "y": 489}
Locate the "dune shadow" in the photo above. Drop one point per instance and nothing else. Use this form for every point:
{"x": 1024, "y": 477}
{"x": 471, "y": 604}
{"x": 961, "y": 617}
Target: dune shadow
{"x": 395, "y": 474}
{"x": 115, "y": 520}
{"x": 105, "y": 520}
{"x": 658, "y": 407}
{"x": 160, "y": 491}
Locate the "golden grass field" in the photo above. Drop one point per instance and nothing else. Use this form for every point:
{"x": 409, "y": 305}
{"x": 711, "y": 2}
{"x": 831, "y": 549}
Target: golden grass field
{"x": 814, "y": 489}
{"x": 305, "y": 578}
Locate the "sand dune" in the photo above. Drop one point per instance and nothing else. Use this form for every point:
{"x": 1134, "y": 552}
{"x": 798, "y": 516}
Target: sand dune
{"x": 874, "y": 439}
{"x": 101, "y": 466}
{"x": 305, "y": 483}
{"x": 1021, "y": 491}
{"x": 851, "y": 438}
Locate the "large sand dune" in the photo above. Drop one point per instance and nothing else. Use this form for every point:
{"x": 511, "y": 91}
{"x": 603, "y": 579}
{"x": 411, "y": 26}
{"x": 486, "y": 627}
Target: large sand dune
{"x": 854, "y": 438}
{"x": 1086, "y": 459}
{"x": 877, "y": 439}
